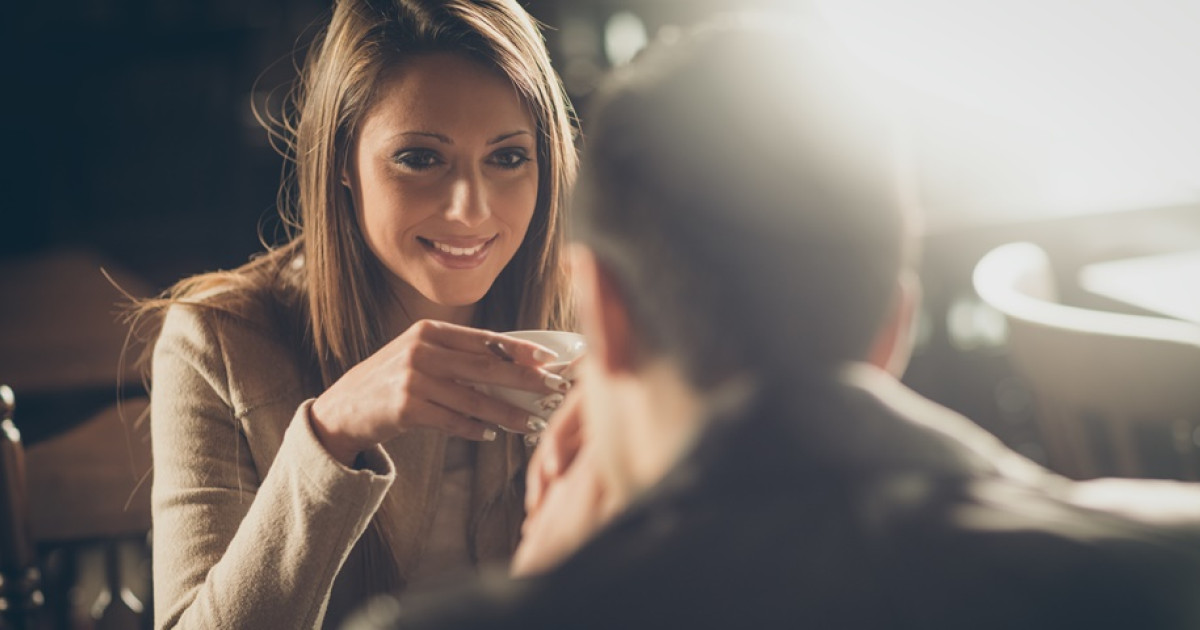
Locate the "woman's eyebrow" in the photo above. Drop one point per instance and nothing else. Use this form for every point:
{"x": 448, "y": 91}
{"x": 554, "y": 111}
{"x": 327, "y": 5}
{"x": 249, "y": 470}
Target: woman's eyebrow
{"x": 444, "y": 139}
{"x": 429, "y": 134}
{"x": 505, "y": 136}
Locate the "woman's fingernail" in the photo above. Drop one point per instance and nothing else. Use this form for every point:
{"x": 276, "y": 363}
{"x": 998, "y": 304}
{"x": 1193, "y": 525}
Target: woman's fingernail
{"x": 568, "y": 372}
{"x": 544, "y": 354}
{"x": 550, "y": 403}
{"x": 489, "y": 435}
{"x": 535, "y": 424}
{"x": 498, "y": 348}
{"x": 557, "y": 383}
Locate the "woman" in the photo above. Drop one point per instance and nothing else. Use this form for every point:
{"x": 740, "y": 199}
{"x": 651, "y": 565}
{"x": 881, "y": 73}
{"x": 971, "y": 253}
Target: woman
{"x": 314, "y": 437}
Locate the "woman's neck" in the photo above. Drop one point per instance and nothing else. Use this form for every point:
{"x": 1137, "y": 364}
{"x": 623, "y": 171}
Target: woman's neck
{"x": 406, "y": 306}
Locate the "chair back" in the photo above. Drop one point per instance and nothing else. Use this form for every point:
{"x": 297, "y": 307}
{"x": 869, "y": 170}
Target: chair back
{"x": 20, "y": 579}
{"x": 1117, "y": 394}
{"x": 77, "y": 507}
{"x": 92, "y": 482}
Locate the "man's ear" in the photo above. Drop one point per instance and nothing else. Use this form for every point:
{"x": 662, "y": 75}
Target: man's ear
{"x": 603, "y": 312}
{"x": 893, "y": 344}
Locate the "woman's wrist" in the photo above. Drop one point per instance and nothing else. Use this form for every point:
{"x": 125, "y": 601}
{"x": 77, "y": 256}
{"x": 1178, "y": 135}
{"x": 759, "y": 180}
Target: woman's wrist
{"x": 337, "y": 444}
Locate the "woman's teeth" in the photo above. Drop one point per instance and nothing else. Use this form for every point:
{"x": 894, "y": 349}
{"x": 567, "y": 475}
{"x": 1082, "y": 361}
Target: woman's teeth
{"x": 458, "y": 251}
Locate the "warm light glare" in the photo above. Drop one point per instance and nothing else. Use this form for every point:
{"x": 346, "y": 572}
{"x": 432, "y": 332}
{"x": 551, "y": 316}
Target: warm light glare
{"x": 1055, "y": 105}
{"x": 624, "y": 36}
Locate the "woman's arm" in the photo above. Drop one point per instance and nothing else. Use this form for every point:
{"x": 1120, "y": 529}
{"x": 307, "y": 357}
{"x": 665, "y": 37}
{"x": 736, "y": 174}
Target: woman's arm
{"x": 234, "y": 547}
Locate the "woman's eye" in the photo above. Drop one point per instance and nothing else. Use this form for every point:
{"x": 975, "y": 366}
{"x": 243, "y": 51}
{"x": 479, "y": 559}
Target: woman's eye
{"x": 417, "y": 159}
{"x": 510, "y": 158}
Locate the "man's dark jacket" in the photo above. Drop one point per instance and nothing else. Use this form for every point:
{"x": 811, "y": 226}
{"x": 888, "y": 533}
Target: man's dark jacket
{"x": 851, "y": 506}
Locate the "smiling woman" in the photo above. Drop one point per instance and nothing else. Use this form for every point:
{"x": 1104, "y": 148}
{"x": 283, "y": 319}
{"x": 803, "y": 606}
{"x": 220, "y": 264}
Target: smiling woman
{"x": 314, "y": 442}
{"x": 444, "y": 182}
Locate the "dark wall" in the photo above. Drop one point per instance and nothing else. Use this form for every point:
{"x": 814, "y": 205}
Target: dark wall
{"x": 132, "y": 129}
{"x": 129, "y": 127}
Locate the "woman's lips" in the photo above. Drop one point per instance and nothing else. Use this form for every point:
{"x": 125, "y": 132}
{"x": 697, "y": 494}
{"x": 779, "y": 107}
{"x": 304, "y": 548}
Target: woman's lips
{"x": 458, "y": 253}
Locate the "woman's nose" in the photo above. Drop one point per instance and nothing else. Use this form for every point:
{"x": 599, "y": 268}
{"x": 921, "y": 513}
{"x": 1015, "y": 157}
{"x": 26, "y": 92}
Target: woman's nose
{"x": 468, "y": 200}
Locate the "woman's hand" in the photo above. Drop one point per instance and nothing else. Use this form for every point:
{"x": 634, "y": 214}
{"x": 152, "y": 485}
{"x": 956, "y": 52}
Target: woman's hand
{"x": 418, "y": 380}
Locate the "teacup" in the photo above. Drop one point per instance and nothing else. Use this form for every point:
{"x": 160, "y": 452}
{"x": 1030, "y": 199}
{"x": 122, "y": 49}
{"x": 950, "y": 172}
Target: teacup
{"x": 567, "y": 345}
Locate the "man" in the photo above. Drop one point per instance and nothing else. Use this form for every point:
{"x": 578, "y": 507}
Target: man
{"x": 739, "y": 453}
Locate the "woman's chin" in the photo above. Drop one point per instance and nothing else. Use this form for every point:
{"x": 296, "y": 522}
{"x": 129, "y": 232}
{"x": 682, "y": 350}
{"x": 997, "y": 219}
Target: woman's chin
{"x": 440, "y": 293}
{"x": 456, "y": 299}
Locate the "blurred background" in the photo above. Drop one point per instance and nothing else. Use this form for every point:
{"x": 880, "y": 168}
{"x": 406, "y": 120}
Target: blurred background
{"x": 133, "y": 148}
{"x": 131, "y": 134}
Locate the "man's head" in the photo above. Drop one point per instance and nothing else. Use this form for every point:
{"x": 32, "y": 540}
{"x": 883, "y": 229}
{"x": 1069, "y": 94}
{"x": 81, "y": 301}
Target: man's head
{"x": 738, "y": 214}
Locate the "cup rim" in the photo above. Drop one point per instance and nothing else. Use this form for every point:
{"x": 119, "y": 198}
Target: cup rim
{"x": 566, "y": 337}
{"x": 551, "y": 331}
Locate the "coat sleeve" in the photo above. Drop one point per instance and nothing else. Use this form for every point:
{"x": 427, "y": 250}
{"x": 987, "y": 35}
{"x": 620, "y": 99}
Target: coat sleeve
{"x": 235, "y": 546}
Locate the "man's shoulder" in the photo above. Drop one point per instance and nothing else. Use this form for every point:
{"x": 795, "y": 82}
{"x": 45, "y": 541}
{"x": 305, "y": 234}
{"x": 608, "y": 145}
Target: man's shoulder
{"x": 923, "y": 522}
{"x": 862, "y": 552}
{"x": 970, "y": 558}
{"x": 1032, "y": 557}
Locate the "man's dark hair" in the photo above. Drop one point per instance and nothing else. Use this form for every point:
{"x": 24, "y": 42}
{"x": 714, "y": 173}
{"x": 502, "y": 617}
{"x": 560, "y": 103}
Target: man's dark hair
{"x": 741, "y": 188}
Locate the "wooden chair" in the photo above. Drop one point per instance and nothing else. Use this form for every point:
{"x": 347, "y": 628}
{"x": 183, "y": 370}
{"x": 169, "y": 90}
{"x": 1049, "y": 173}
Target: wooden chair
{"x": 21, "y": 597}
{"x": 84, "y": 466}
{"x": 74, "y": 523}
{"x": 1117, "y": 394}
{"x": 89, "y": 509}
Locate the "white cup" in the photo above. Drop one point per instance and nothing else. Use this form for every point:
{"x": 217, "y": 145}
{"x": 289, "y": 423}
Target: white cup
{"x": 568, "y": 345}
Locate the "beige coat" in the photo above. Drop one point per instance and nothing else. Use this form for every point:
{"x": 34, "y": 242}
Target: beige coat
{"x": 255, "y": 525}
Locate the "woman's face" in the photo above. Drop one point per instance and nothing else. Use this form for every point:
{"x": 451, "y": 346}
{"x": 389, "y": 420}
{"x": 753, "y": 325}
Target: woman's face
{"x": 444, "y": 179}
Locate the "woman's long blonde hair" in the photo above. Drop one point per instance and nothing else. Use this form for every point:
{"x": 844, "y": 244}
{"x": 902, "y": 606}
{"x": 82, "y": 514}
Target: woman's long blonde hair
{"x": 325, "y": 273}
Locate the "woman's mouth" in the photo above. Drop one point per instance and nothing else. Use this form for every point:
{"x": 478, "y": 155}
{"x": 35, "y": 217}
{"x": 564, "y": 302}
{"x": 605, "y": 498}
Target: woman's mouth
{"x": 458, "y": 253}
